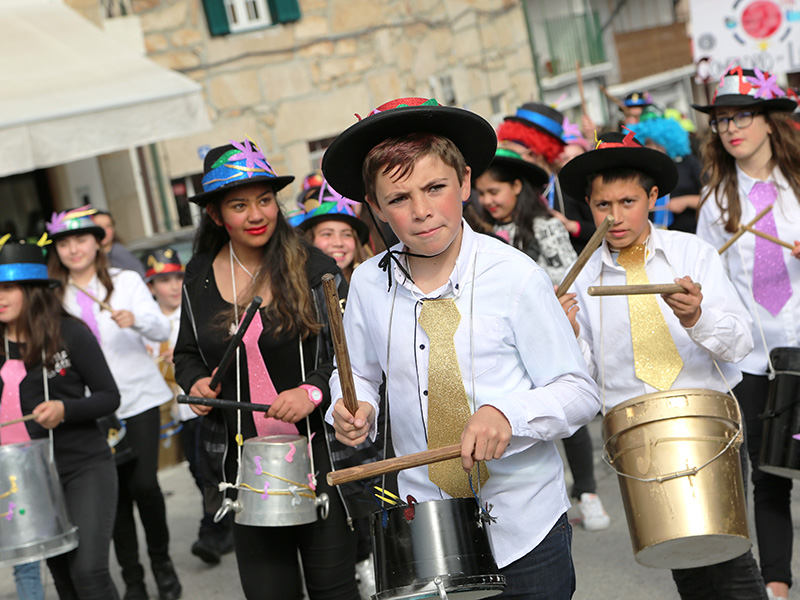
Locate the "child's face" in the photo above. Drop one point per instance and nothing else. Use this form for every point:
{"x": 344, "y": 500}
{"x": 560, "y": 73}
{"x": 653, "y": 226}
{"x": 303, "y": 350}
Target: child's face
{"x": 167, "y": 290}
{"x": 498, "y": 198}
{"x": 338, "y": 240}
{"x": 77, "y": 252}
{"x": 249, "y": 214}
{"x": 11, "y": 302}
{"x": 629, "y": 204}
{"x": 424, "y": 208}
{"x": 743, "y": 143}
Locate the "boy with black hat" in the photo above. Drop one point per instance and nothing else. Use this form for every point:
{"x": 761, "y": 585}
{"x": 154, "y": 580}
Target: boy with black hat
{"x": 682, "y": 340}
{"x": 453, "y": 289}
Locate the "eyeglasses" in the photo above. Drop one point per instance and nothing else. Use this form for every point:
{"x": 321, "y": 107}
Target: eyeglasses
{"x": 741, "y": 120}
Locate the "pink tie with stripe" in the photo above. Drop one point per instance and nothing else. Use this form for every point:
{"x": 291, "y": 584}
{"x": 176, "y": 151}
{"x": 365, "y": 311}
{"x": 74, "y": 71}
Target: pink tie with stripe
{"x": 12, "y": 373}
{"x": 262, "y": 390}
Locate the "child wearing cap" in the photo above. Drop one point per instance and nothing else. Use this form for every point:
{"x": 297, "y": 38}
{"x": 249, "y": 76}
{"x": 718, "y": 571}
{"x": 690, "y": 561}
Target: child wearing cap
{"x": 751, "y": 157}
{"x": 674, "y": 341}
{"x": 515, "y": 383}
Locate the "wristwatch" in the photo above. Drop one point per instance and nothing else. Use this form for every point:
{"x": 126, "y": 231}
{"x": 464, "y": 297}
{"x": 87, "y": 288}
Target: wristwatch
{"x": 314, "y": 393}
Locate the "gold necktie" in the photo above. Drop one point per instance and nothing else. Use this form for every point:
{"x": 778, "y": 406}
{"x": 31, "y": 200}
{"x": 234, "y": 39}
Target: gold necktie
{"x": 448, "y": 406}
{"x": 166, "y": 368}
{"x": 655, "y": 356}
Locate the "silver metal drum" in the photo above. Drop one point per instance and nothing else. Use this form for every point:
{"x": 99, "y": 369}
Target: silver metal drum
{"x": 275, "y": 489}
{"x": 33, "y": 517}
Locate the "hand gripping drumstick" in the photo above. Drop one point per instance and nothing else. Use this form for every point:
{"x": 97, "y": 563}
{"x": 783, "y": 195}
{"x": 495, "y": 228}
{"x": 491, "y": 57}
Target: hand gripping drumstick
{"x": 103, "y": 305}
{"x": 340, "y": 343}
{"x": 29, "y": 417}
{"x": 635, "y": 290}
{"x": 220, "y": 403}
{"x": 392, "y": 465}
{"x": 592, "y": 245}
{"x": 237, "y": 339}
{"x": 741, "y": 231}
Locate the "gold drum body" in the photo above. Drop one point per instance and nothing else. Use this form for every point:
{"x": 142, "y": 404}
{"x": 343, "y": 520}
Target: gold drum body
{"x": 676, "y": 454}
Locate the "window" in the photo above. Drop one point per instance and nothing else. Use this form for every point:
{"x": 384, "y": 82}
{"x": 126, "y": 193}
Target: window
{"x": 231, "y": 16}
{"x": 316, "y": 149}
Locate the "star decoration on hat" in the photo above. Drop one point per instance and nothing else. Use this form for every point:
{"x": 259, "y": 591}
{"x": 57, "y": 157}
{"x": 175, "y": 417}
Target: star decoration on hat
{"x": 766, "y": 85}
{"x": 252, "y": 155}
{"x": 342, "y": 203}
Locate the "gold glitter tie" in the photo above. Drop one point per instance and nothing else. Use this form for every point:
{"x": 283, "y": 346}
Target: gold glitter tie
{"x": 655, "y": 356}
{"x": 448, "y": 406}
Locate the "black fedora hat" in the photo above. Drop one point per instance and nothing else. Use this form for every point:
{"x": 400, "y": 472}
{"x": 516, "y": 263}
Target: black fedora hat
{"x": 23, "y": 263}
{"x": 333, "y": 206}
{"x": 236, "y": 164}
{"x": 344, "y": 158}
{"x": 162, "y": 262}
{"x": 77, "y": 221}
{"x": 748, "y": 87}
{"x": 527, "y": 170}
{"x": 618, "y": 151}
{"x": 543, "y": 117}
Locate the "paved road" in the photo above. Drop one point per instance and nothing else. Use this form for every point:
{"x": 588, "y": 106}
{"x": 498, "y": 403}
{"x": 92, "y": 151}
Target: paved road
{"x": 603, "y": 560}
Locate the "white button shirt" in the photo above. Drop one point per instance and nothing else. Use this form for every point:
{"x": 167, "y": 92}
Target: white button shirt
{"x": 514, "y": 342}
{"x": 140, "y": 383}
{"x": 784, "y": 328}
{"x": 722, "y": 332}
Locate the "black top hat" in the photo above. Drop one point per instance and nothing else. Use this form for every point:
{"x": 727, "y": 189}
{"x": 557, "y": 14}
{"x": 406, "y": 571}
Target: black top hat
{"x": 161, "y": 262}
{"x": 333, "y": 206}
{"x": 23, "y": 263}
{"x": 543, "y": 117}
{"x": 236, "y": 164}
{"x": 748, "y": 87}
{"x": 77, "y": 221}
{"x": 532, "y": 173}
{"x": 618, "y": 151}
{"x": 344, "y": 158}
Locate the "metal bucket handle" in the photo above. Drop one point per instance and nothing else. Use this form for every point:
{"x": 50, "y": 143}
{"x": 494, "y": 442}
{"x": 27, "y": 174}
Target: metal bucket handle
{"x": 676, "y": 474}
{"x": 227, "y": 506}
{"x": 323, "y": 503}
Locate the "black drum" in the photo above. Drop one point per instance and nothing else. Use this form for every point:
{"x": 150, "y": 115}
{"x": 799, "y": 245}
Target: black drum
{"x": 431, "y": 549}
{"x": 780, "y": 450}
{"x": 115, "y": 431}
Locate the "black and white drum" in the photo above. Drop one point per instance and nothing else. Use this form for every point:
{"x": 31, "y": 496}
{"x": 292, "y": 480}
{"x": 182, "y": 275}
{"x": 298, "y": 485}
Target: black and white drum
{"x": 780, "y": 449}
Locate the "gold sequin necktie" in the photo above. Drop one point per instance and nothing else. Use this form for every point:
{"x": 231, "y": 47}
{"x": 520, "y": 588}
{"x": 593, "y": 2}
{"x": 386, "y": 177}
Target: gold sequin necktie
{"x": 448, "y": 406}
{"x": 655, "y": 356}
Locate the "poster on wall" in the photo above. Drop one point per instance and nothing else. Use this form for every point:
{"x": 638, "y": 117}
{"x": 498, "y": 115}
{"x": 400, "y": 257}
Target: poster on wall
{"x": 763, "y": 34}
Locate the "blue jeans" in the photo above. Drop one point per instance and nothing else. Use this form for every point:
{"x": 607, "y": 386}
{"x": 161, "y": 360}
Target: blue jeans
{"x": 546, "y": 572}
{"x": 28, "y": 578}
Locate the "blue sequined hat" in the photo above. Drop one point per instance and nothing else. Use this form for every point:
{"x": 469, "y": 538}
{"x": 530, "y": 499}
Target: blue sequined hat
{"x": 77, "y": 221}
{"x": 333, "y": 206}
{"x": 24, "y": 263}
{"x": 234, "y": 165}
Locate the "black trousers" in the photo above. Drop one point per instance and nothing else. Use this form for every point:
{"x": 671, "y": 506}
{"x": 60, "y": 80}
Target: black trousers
{"x": 90, "y": 494}
{"x": 771, "y": 494}
{"x": 138, "y": 483}
{"x": 580, "y": 457}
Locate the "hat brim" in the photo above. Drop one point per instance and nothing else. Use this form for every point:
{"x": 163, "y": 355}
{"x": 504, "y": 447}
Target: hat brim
{"x": 361, "y": 229}
{"x": 741, "y": 100}
{"x": 277, "y": 183}
{"x": 659, "y": 166}
{"x": 96, "y": 231}
{"x": 344, "y": 158}
{"x": 532, "y": 173}
{"x": 536, "y": 127}
{"x": 49, "y": 282}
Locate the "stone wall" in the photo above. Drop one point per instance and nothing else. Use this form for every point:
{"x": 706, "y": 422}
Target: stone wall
{"x": 286, "y": 85}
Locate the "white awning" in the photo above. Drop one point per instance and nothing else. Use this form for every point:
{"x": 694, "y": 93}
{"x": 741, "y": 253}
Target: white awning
{"x": 70, "y": 91}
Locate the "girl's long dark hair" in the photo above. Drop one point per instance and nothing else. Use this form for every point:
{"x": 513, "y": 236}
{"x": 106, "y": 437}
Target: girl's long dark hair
{"x": 39, "y": 324}
{"x": 529, "y": 206}
{"x": 58, "y": 271}
{"x": 720, "y": 167}
{"x": 282, "y": 271}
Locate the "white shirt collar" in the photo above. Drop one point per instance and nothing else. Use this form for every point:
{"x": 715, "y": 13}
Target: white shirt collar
{"x": 746, "y": 182}
{"x": 653, "y": 244}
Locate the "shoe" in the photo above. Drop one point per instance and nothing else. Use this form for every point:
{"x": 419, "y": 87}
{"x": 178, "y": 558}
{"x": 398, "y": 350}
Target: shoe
{"x": 771, "y": 595}
{"x": 169, "y": 586}
{"x": 365, "y": 577}
{"x": 136, "y": 591}
{"x": 207, "y": 549}
{"x": 593, "y": 516}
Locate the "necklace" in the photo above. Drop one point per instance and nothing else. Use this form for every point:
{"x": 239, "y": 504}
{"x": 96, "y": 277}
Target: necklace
{"x": 238, "y": 262}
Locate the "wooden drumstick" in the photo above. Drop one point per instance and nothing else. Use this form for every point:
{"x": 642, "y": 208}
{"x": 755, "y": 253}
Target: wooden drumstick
{"x": 392, "y": 465}
{"x": 579, "y": 78}
{"x": 767, "y": 236}
{"x": 29, "y": 417}
{"x": 592, "y": 245}
{"x": 741, "y": 231}
{"x": 635, "y": 290}
{"x": 340, "y": 343}
{"x": 103, "y": 305}
{"x": 615, "y": 100}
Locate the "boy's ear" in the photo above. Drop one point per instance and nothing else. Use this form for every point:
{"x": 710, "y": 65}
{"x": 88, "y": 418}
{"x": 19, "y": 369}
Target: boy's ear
{"x": 375, "y": 208}
{"x": 652, "y": 197}
{"x": 466, "y": 185}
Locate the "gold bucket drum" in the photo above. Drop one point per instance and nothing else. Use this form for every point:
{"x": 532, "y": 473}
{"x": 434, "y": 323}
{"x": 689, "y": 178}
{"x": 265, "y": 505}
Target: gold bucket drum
{"x": 676, "y": 454}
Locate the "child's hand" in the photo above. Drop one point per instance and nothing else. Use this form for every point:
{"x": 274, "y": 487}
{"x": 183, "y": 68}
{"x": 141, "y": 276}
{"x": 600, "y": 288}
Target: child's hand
{"x": 686, "y": 306}
{"x": 123, "y": 318}
{"x": 485, "y": 436}
{"x": 569, "y": 303}
{"x": 796, "y": 251}
{"x": 201, "y": 388}
{"x": 352, "y": 430}
{"x": 290, "y": 406}
{"x": 49, "y": 414}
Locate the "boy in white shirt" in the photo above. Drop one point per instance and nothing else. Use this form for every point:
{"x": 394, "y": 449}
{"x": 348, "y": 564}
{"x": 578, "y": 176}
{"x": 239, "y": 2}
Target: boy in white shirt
{"x": 623, "y": 179}
{"x": 517, "y": 368}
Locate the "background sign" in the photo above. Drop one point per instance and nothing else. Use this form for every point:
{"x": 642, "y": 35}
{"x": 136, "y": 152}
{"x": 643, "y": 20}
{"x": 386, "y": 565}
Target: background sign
{"x": 751, "y": 33}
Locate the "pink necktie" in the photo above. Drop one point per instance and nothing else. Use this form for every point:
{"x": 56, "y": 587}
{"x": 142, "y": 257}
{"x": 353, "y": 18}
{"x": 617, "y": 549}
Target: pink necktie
{"x": 262, "y": 390}
{"x": 771, "y": 286}
{"x": 87, "y": 313}
{"x": 12, "y": 373}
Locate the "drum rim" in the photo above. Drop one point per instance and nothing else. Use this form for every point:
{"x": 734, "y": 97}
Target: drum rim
{"x": 451, "y": 583}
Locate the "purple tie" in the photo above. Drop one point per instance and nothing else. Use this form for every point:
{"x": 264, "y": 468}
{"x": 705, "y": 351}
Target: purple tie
{"x": 771, "y": 286}
{"x": 12, "y": 373}
{"x": 262, "y": 390}
{"x": 87, "y": 313}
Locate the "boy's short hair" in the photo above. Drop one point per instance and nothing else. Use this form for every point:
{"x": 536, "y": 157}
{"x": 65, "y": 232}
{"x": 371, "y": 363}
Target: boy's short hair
{"x": 620, "y": 174}
{"x": 401, "y": 153}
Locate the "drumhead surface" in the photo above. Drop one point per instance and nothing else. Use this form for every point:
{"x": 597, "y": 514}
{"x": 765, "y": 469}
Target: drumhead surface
{"x": 460, "y": 587}
{"x": 690, "y": 552}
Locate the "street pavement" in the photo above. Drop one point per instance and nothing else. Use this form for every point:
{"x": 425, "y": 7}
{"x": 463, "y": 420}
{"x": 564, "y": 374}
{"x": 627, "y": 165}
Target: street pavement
{"x": 604, "y": 562}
